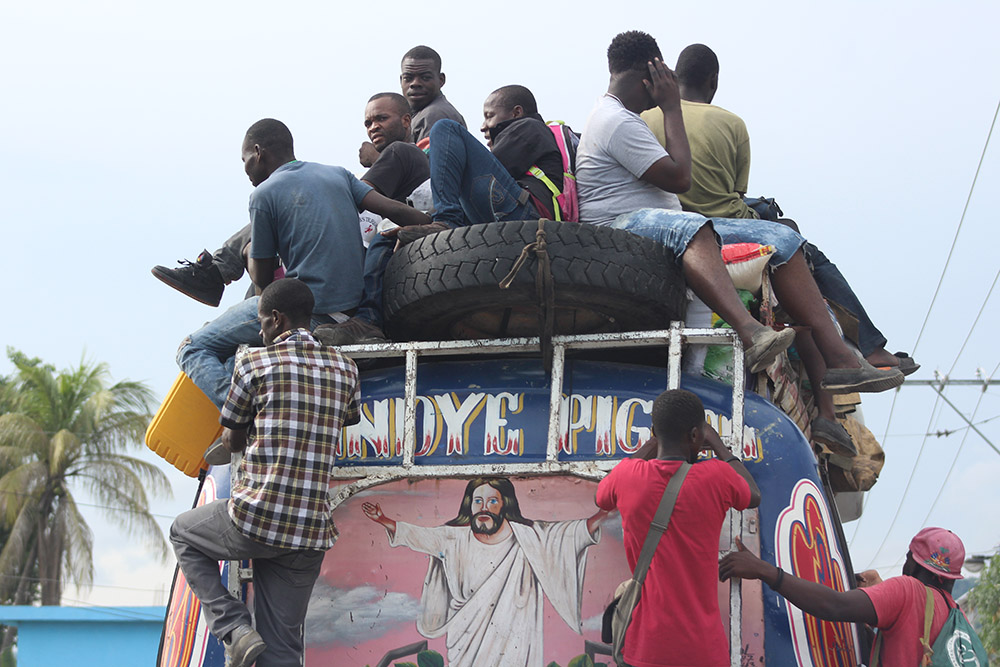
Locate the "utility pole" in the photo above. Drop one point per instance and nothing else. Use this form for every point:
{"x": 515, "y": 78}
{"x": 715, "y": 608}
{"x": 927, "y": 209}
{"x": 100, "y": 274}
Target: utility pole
{"x": 941, "y": 381}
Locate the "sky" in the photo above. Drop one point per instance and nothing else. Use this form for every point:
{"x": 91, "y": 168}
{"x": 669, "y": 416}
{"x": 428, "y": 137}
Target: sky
{"x": 124, "y": 123}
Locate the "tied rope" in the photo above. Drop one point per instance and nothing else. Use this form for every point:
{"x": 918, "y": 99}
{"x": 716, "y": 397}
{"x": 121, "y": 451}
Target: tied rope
{"x": 544, "y": 290}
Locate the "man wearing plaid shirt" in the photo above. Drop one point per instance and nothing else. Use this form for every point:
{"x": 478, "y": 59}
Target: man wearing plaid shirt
{"x": 285, "y": 411}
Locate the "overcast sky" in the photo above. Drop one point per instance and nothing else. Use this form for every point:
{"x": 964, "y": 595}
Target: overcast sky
{"x": 867, "y": 120}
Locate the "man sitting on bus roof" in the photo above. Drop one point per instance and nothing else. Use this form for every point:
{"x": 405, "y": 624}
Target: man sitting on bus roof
{"x": 471, "y": 185}
{"x": 421, "y": 79}
{"x": 399, "y": 167}
{"x": 306, "y": 214}
{"x": 626, "y": 179}
{"x": 720, "y": 171}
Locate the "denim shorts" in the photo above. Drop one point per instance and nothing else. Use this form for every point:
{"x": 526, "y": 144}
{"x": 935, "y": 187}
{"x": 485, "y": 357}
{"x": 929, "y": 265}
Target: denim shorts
{"x": 785, "y": 240}
{"x": 675, "y": 229}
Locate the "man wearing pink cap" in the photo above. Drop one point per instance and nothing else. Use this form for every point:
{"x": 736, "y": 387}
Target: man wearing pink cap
{"x": 895, "y": 606}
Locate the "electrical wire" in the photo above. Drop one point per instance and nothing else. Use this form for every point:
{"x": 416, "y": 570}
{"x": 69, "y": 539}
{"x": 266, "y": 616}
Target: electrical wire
{"x": 25, "y": 494}
{"x": 973, "y": 327}
{"x": 916, "y": 344}
{"x": 961, "y": 220}
{"x": 958, "y": 453}
{"x": 41, "y": 579}
{"x": 909, "y": 482}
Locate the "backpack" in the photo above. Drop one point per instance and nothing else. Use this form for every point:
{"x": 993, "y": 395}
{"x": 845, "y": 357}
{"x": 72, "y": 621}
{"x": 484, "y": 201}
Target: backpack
{"x": 565, "y": 206}
{"x": 956, "y": 645}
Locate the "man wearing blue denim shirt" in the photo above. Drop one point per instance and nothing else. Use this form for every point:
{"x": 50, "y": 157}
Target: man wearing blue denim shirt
{"x": 622, "y": 168}
{"x": 306, "y": 214}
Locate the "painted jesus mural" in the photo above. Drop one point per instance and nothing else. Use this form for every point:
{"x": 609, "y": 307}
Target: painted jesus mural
{"x": 489, "y": 568}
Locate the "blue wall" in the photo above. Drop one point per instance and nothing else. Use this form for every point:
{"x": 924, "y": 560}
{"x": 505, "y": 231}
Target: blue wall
{"x": 85, "y": 636}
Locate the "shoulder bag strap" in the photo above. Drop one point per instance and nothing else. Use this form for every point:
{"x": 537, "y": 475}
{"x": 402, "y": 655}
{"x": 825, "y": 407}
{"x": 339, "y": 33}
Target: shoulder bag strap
{"x": 660, "y": 522}
{"x": 925, "y": 641}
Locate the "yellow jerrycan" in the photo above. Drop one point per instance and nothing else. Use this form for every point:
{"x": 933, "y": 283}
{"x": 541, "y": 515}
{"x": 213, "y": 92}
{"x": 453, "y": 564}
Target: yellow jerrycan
{"x": 184, "y": 426}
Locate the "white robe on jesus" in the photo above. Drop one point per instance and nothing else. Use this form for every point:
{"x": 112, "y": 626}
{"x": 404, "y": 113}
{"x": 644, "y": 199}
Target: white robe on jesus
{"x": 487, "y": 598}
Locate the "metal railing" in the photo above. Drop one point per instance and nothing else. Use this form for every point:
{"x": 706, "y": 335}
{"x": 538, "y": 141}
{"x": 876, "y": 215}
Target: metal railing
{"x": 673, "y": 339}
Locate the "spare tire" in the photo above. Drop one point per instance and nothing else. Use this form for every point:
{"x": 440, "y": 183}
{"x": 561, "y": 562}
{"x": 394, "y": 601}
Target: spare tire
{"x": 446, "y": 286}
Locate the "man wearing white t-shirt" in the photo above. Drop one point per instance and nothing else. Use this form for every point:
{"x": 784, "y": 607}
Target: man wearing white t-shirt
{"x": 626, "y": 179}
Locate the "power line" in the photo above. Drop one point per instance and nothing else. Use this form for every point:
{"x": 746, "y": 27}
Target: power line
{"x": 961, "y": 220}
{"x": 927, "y": 317}
{"x": 909, "y": 482}
{"x": 25, "y": 494}
{"x": 944, "y": 433}
{"x": 112, "y": 611}
{"x": 951, "y": 469}
{"x": 976, "y": 322}
{"x": 39, "y": 580}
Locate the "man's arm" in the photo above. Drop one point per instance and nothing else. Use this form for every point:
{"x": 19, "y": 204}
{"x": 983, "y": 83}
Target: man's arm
{"x": 401, "y": 214}
{"x": 594, "y": 522}
{"x": 261, "y": 272}
{"x": 235, "y": 438}
{"x": 812, "y": 598}
{"x": 720, "y": 449}
{"x": 672, "y": 172}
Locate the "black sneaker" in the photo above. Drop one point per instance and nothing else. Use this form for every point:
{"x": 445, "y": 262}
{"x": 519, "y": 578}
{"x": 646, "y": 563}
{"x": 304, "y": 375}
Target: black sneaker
{"x": 244, "y": 645}
{"x": 833, "y": 434}
{"x": 199, "y": 279}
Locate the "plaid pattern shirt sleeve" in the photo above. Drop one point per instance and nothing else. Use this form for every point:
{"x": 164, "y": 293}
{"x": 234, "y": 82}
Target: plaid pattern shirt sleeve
{"x": 301, "y": 395}
{"x": 237, "y": 412}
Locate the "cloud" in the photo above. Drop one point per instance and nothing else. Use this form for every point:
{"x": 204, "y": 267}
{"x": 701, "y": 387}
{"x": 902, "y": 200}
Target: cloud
{"x": 364, "y": 613}
{"x": 130, "y": 576}
{"x": 594, "y": 623}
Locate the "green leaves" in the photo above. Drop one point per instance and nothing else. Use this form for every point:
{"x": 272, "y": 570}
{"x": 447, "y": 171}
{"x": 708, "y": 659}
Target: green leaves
{"x": 985, "y": 599}
{"x": 425, "y": 659}
{"x": 62, "y": 432}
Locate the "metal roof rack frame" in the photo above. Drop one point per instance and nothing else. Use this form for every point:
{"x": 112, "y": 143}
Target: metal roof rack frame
{"x": 673, "y": 338}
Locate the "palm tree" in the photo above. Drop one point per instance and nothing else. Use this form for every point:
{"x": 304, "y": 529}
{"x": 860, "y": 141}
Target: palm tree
{"x": 64, "y": 432}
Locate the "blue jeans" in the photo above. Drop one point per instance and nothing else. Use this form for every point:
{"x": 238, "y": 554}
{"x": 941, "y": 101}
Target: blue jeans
{"x": 376, "y": 259}
{"x": 208, "y": 356}
{"x": 833, "y": 286}
{"x": 469, "y": 185}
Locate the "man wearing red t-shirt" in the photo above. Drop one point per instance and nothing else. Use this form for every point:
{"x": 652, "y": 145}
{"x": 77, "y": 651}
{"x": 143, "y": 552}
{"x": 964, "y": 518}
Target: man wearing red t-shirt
{"x": 895, "y": 607}
{"x": 677, "y": 620}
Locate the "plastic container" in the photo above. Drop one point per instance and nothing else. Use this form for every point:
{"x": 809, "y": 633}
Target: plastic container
{"x": 184, "y": 426}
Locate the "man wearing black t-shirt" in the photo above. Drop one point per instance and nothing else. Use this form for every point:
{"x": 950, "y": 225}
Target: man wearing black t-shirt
{"x": 399, "y": 167}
